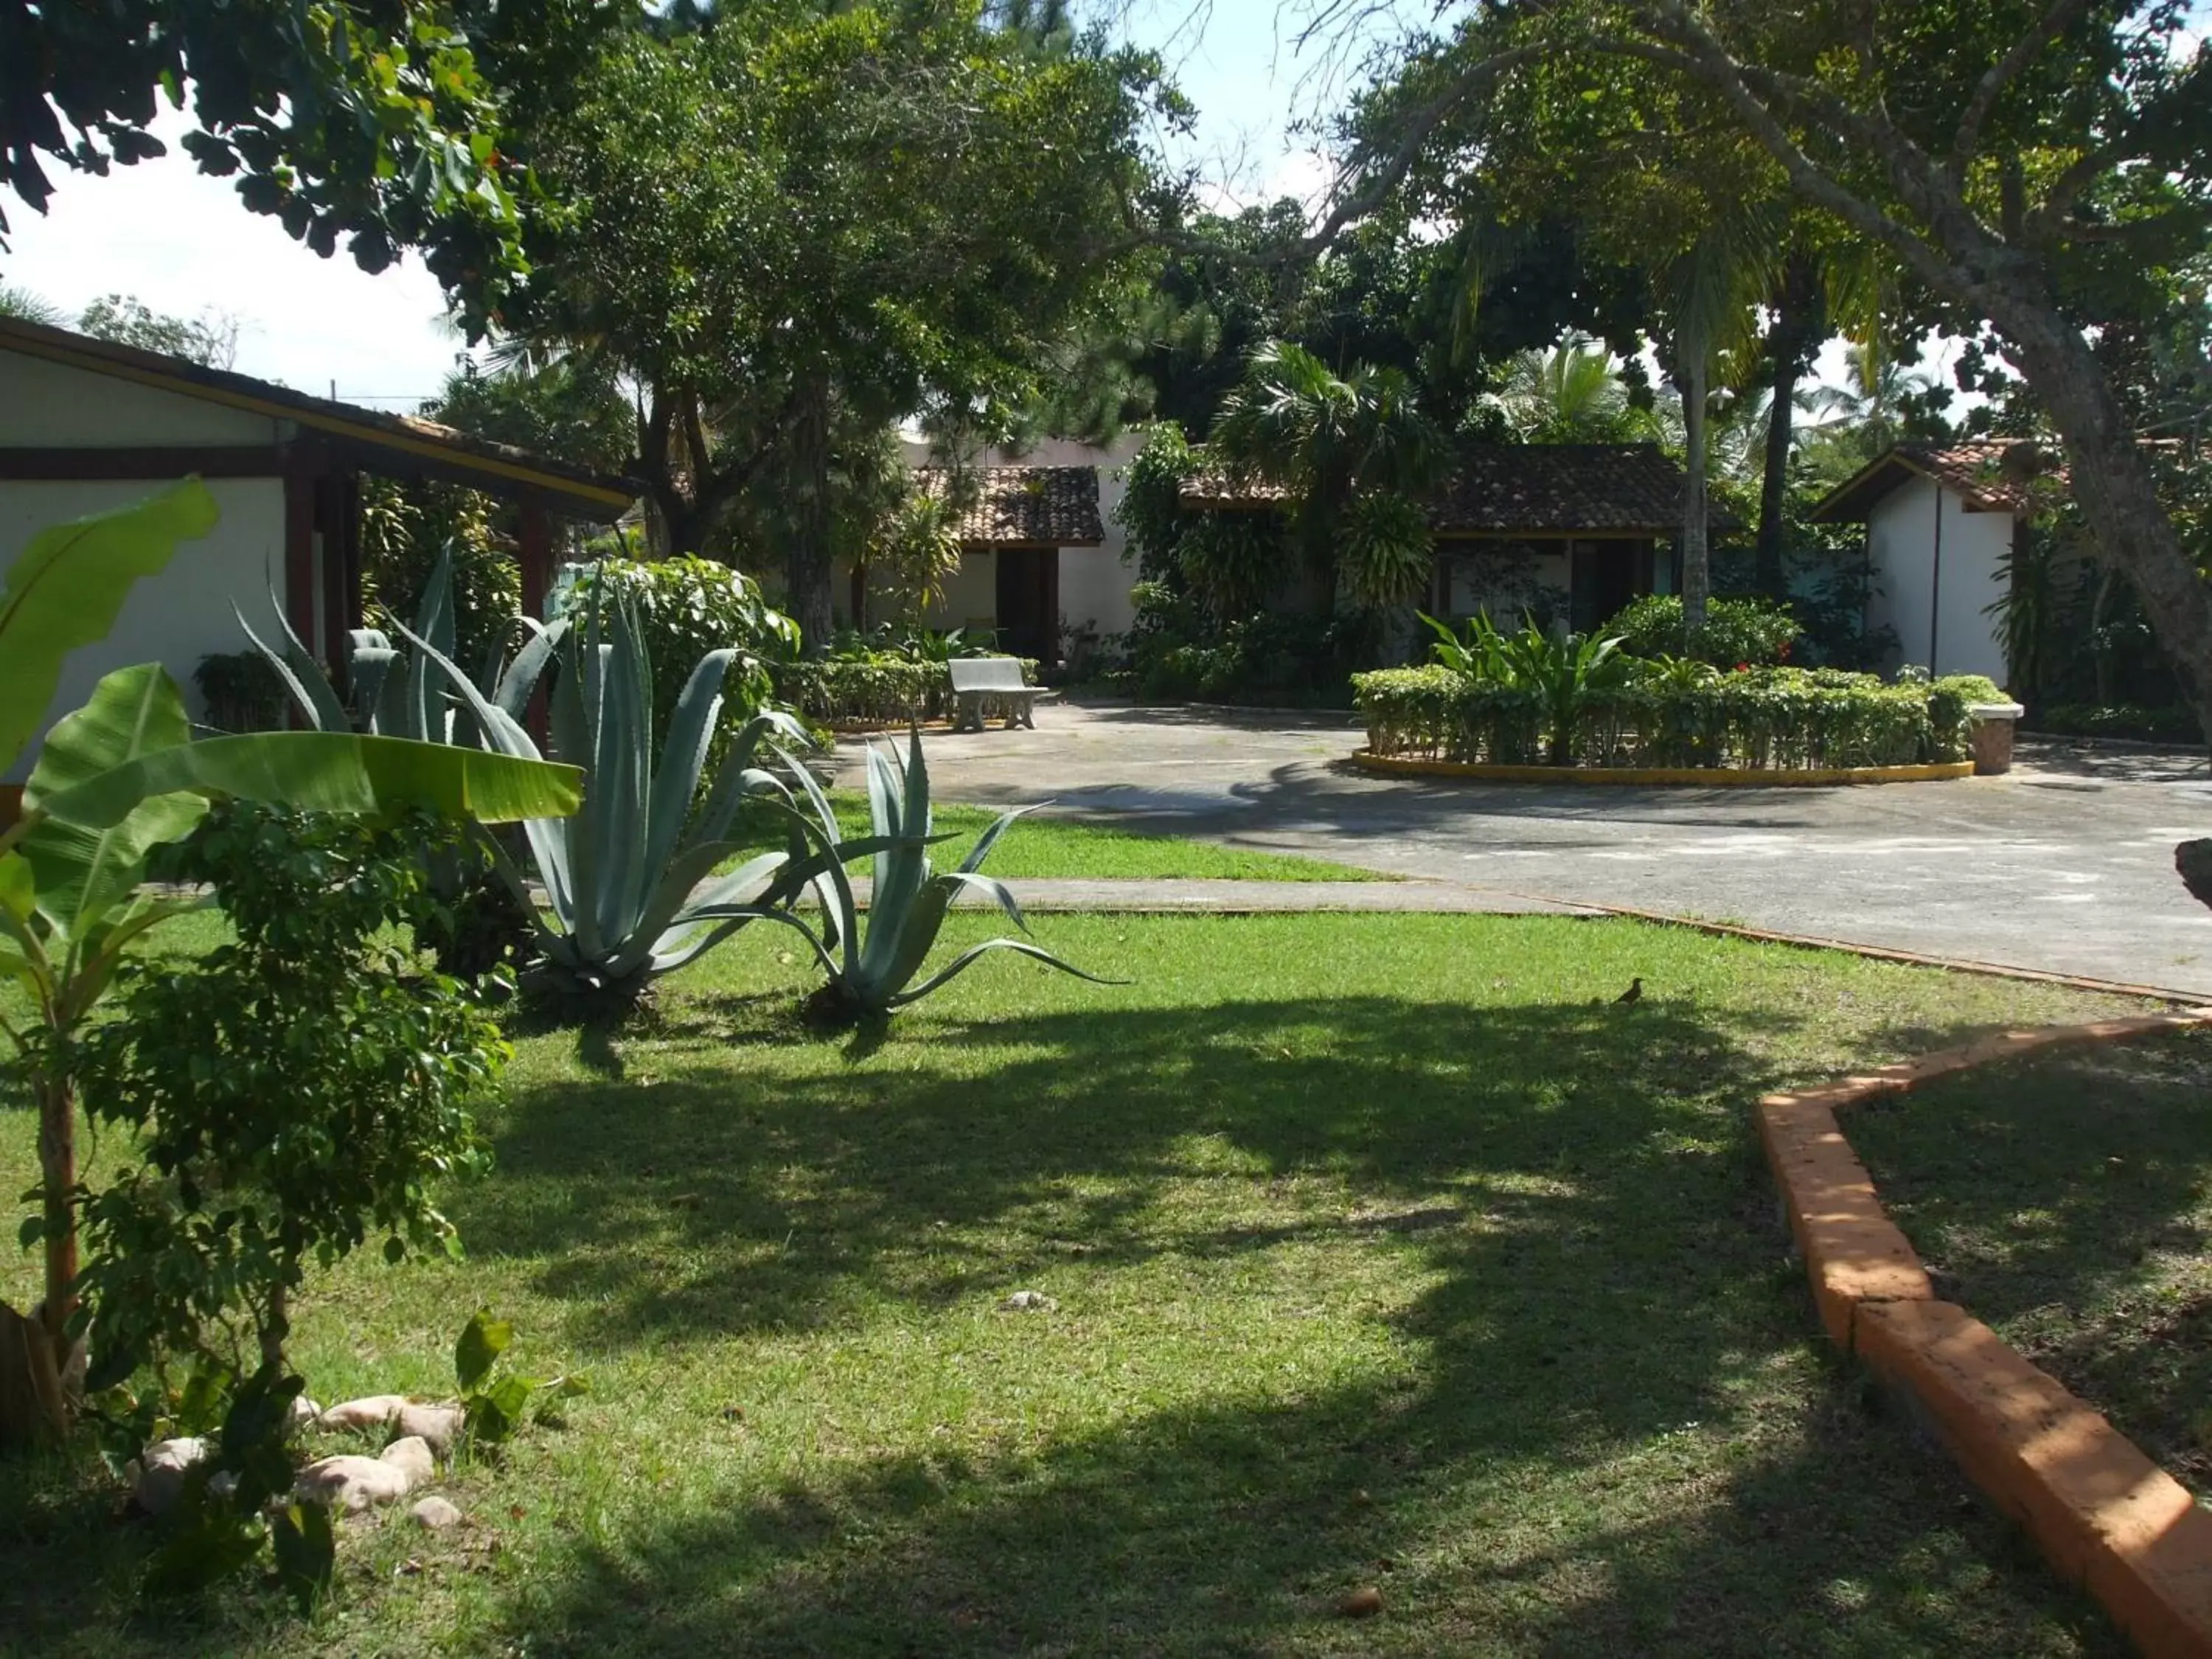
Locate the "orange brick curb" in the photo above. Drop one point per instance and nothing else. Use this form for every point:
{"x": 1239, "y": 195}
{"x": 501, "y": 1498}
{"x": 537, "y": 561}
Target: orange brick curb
{"x": 2105, "y": 1514}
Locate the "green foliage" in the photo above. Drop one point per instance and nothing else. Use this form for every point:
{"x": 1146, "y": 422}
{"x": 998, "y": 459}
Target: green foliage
{"x": 287, "y": 1097}
{"x": 242, "y": 691}
{"x": 871, "y": 964}
{"x": 1673, "y": 712}
{"x": 418, "y": 537}
{"x": 2122, "y": 720}
{"x": 210, "y": 339}
{"x": 1753, "y": 631}
{"x": 1561, "y": 675}
{"x": 685, "y": 608}
{"x": 210, "y": 1534}
{"x": 1385, "y": 557}
{"x": 1151, "y": 508}
{"x": 877, "y": 687}
{"x": 374, "y": 125}
{"x": 1231, "y": 562}
{"x": 494, "y": 1402}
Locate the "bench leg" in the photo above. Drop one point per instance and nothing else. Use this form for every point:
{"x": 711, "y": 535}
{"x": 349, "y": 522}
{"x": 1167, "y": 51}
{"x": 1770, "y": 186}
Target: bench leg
{"x": 1029, "y": 714}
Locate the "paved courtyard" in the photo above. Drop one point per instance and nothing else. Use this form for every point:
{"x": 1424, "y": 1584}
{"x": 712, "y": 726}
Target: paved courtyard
{"x": 2066, "y": 865}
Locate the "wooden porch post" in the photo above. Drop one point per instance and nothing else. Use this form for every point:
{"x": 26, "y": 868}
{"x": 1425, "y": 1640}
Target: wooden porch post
{"x": 304, "y": 465}
{"x": 535, "y": 540}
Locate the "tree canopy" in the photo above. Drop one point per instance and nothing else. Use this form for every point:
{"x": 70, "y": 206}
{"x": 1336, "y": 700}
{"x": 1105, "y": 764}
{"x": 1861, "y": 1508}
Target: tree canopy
{"x": 798, "y": 227}
{"x": 2033, "y": 167}
{"x": 376, "y": 122}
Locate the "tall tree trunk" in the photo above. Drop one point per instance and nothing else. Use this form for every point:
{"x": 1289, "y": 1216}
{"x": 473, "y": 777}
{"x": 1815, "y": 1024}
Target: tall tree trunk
{"x": 2112, "y": 483}
{"x": 1796, "y": 307}
{"x": 58, "y": 1182}
{"x": 807, "y": 564}
{"x": 1697, "y": 570}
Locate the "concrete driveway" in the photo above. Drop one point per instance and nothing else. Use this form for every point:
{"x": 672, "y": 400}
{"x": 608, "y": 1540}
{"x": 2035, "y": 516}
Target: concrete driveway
{"x": 2066, "y": 865}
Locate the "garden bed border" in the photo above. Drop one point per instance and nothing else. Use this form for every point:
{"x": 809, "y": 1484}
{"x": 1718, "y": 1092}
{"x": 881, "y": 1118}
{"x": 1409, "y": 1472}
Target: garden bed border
{"x": 2105, "y": 1516}
{"x": 1722, "y": 777}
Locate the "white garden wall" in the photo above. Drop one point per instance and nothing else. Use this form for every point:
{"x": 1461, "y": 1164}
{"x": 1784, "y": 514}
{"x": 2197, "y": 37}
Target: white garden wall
{"x": 181, "y": 615}
{"x": 1934, "y": 579}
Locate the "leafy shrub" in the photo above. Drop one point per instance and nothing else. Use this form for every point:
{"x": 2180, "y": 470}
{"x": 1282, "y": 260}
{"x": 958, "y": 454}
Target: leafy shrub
{"x": 684, "y": 608}
{"x": 1230, "y": 562}
{"x": 406, "y": 528}
{"x": 878, "y": 689}
{"x": 1150, "y": 509}
{"x": 1384, "y": 552}
{"x": 1677, "y": 712}
{"x": 1754, "y": 632}
{"x": 242, "y": 691}
{"x": 286, "y": 1097}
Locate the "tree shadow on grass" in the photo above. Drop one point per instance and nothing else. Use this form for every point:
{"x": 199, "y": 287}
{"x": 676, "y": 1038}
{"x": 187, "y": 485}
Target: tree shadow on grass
{"x": 931, "y": 1183}
{"x": 2053, "y": 1197}
{"x": 1621, "y": 1434}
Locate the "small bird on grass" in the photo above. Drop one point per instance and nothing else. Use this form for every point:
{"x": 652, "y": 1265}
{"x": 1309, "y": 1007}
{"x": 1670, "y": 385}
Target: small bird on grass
{"x": 1633, "y": 994}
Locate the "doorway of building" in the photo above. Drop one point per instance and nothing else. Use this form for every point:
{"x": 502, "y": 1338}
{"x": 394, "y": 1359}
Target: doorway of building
{"x": 1029, "y": 603}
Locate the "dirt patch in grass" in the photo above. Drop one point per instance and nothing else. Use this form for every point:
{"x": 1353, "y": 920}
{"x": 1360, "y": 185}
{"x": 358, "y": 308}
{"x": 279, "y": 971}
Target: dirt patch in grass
{"x": 2067, "y": 1201}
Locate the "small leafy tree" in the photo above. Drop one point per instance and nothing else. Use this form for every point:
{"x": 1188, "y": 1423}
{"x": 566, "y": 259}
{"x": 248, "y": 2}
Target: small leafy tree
{"x": 287, "y": 1097}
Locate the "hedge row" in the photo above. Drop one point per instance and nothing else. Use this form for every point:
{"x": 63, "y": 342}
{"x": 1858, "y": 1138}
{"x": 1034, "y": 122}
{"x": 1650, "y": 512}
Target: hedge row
{"x": 1774, "y": 718}
{"x": 883, "y": 690}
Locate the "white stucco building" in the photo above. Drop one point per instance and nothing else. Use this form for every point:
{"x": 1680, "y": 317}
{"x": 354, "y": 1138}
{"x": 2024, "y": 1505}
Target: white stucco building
{"x": 1940, "y": 524}
{"x": 1043, "y": 555}
{"x": 86, "y": 425}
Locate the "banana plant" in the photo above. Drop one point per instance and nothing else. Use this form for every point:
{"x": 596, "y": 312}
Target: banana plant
{"x": 871, "y": 964}
{"x": 121, "y": 775}
{"x": 629, "y": 889}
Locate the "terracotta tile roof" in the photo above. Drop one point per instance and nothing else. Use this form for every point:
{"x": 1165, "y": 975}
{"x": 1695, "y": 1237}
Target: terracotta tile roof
{"x": 1628, "y": 490}
{"x": 1024, "y": 506}
{"x": 1598, "y": 489}
{"x": 1991, "y": 475}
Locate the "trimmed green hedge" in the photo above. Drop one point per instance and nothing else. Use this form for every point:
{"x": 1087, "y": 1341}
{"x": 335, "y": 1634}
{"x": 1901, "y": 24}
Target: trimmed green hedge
{"x": 883, "y": 690}
{"x": 1761, "y": 718}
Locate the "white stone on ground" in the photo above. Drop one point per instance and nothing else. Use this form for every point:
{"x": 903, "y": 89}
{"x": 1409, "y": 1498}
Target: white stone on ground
{"x": 440, "y": 1425}
{"x": 372, "y": 1412}
{"x": 352, "y": 1483}
{"x": 1028, "y": 1302}
{"x": 435, "y": 1514}
{"x": 158, "y": 1476}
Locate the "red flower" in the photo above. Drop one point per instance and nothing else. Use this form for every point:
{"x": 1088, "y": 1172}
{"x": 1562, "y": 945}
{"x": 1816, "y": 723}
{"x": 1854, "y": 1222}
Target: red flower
{"x": 1783, "y": 654}
{"x": 1743, "y": 668}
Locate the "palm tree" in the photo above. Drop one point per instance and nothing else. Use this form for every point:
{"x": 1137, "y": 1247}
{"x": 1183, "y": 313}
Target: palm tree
{"x": 1571, "y": 394}
{"x": 25, "y": 306}
{"x": 1325, "y": 439}
{"x": 1710, "y": 293}
{"x": 1876, "y": 388}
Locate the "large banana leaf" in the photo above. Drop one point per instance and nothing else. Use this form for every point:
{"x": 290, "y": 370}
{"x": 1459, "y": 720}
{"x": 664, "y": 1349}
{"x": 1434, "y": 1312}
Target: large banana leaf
{"x": 84, "y": 872}
{"x": 325, "y": 772}
{"x": 65, "y": 589}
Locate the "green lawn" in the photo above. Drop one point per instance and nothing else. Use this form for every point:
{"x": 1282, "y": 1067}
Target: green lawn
{"x": 2068, "y": 1202}
{"x": 1049, "y": 847}
{"x": 1386, "y": 1251}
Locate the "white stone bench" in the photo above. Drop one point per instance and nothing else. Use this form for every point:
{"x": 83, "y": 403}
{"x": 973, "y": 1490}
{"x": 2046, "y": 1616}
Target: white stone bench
{"x": 979, "y": 683}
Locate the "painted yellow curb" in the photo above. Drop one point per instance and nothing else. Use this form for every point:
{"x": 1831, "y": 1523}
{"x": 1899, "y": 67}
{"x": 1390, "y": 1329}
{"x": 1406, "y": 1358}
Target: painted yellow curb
{"x": 2104, "y": 1514}
{"x": 1721, "y": 777}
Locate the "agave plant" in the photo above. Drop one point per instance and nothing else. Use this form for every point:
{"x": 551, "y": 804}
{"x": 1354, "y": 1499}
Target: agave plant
{"x": 627, "y": 888}
{"x": 871, "y": 964}
{"x": 396, "y": 694}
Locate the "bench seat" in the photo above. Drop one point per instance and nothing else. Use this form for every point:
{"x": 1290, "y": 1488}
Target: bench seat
{"x": 981, "y": 683}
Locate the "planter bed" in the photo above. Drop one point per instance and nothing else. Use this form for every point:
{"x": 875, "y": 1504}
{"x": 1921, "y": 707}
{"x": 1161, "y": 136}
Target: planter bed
{"x": 1710, "y": 777}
